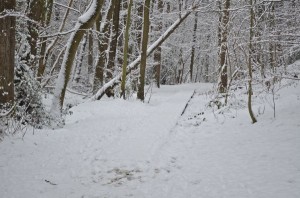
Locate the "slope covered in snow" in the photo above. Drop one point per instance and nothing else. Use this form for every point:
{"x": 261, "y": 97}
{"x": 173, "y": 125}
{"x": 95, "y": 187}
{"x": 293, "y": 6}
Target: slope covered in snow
{"x": 117, "y": 148}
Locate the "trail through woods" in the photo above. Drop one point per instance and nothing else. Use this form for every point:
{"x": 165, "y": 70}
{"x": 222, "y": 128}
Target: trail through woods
{"x": 116, "y": 148}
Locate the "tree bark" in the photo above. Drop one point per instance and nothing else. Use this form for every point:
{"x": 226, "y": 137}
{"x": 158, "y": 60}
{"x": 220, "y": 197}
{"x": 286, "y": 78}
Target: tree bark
{"x": 125, "y": 54}
{"x": 114, "y": 40}
{"x": 7, "y": 54}
{"x": 250, "y": 64}
{"x": 193, "y": 47}
{"x": 102, "y": 48}
{"x": 157, "y": 53}
{"x": 224, "y": 33}
{"x": 46, "y": 20}
{"x": 40, "y": 12}
{"x": 90, "y": 55}
{"x": 146, "y": 24}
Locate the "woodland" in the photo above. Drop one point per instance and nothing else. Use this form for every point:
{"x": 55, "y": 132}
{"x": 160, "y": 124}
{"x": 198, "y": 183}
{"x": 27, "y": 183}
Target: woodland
{"x": 116, "y": 48}
{"x": 149, "y": 98}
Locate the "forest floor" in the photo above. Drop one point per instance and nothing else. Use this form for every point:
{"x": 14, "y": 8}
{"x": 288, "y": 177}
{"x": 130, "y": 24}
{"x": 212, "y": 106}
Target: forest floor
{"x": 114, "y": 148}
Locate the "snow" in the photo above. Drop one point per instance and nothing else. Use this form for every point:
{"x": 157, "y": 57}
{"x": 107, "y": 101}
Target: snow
{"x": 89, "y": 12}
{"x": 114, "y": 148}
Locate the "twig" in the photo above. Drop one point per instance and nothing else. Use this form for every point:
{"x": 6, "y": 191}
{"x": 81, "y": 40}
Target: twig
{"x": 187, "y": 104}
{"x": 49, "y": 182}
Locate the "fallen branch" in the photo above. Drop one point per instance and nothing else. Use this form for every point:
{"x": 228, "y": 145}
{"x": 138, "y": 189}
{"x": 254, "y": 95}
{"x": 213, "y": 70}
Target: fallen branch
{"x": 188, "y": 102}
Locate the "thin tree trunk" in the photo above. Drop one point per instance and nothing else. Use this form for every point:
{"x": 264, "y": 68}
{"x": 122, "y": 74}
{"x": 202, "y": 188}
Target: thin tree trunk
{"x": 250, "y": 64}
{"x": 47, "y": 18}
{"x": 193, "y": 47}
{"x": 90, "y": 55}
{"x": 146, "y": 24}
{"x": 157, "y": 53}
{"x": 125, "y": 55}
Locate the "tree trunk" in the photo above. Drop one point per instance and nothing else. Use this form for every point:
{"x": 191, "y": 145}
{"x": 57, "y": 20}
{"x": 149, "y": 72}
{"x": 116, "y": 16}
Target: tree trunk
{"x": 40, "y": 12}
{"x": 224, "y": 33}
{"x": 84, "y": 22}
{"x": 90, "y": 55}
{"x": 157, "y": 53}
{"x": 46, "y": 20}
{"x": 250, "y": 64}
{"x": 102, "y": 47}
{"x": 146, "y": 24}
{"x": 125, "y": 55}
{"x": 193, "y": 47}
{"x": 80, "y": 56}
{"x": 114, "y": 40}
{"x": 7, "y": 54}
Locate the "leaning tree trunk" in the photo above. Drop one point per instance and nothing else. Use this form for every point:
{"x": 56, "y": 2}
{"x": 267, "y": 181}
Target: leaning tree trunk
{"x": 146, "y": 24}
{"x": 7, "y": 54}
{"x": 84, "y": 22}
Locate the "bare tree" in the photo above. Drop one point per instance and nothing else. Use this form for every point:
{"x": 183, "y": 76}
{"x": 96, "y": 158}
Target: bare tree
{"x": 146, "y": 24}
{"x": 250, "y": 63}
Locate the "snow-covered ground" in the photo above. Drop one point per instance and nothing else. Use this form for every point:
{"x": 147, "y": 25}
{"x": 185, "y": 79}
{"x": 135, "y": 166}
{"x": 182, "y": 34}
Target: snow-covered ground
{"x": 116, "y": 148}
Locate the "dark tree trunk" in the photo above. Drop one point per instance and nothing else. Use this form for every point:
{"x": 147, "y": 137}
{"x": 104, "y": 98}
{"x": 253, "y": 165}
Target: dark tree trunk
{"x": 102, "y": 47}
{"x": 193, "y": 47}
{"x": 34, "y": 11}
{"x": 114, "y": 40}
{"x": 7, "y": 53}
{"x": 146, "y": 24}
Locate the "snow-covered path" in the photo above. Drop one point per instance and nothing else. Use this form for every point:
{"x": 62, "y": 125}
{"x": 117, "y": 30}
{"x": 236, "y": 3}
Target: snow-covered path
{"x": 102, "y": 144}
{"x": 116, "y": 148}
